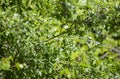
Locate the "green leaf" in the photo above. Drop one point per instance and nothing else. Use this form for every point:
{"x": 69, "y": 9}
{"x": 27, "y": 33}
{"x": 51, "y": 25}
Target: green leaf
{"x": 4, "y": 64}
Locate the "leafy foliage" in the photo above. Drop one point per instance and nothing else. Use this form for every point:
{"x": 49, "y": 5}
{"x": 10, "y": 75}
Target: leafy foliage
{"x": 71, "y": 39}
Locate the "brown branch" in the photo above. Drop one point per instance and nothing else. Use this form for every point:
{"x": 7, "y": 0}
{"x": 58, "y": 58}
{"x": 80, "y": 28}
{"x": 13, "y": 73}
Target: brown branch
{"x": 67, "y": 30}
{"x": 103, "y": 56}
{"x": 115, "y": 50}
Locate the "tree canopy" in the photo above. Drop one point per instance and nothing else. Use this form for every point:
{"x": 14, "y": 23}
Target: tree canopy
{"x": 60, "y": 39}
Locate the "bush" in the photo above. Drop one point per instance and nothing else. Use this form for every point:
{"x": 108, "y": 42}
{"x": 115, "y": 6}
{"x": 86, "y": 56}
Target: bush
{"x": 73, "y": 39}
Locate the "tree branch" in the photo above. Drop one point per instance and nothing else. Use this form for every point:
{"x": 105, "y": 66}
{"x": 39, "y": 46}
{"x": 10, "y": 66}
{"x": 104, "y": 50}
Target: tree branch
{"x": 67, "y": 30}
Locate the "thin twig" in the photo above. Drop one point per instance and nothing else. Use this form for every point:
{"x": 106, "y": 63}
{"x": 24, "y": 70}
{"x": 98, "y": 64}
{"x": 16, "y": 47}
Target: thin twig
{"x": 67, "y": 30}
